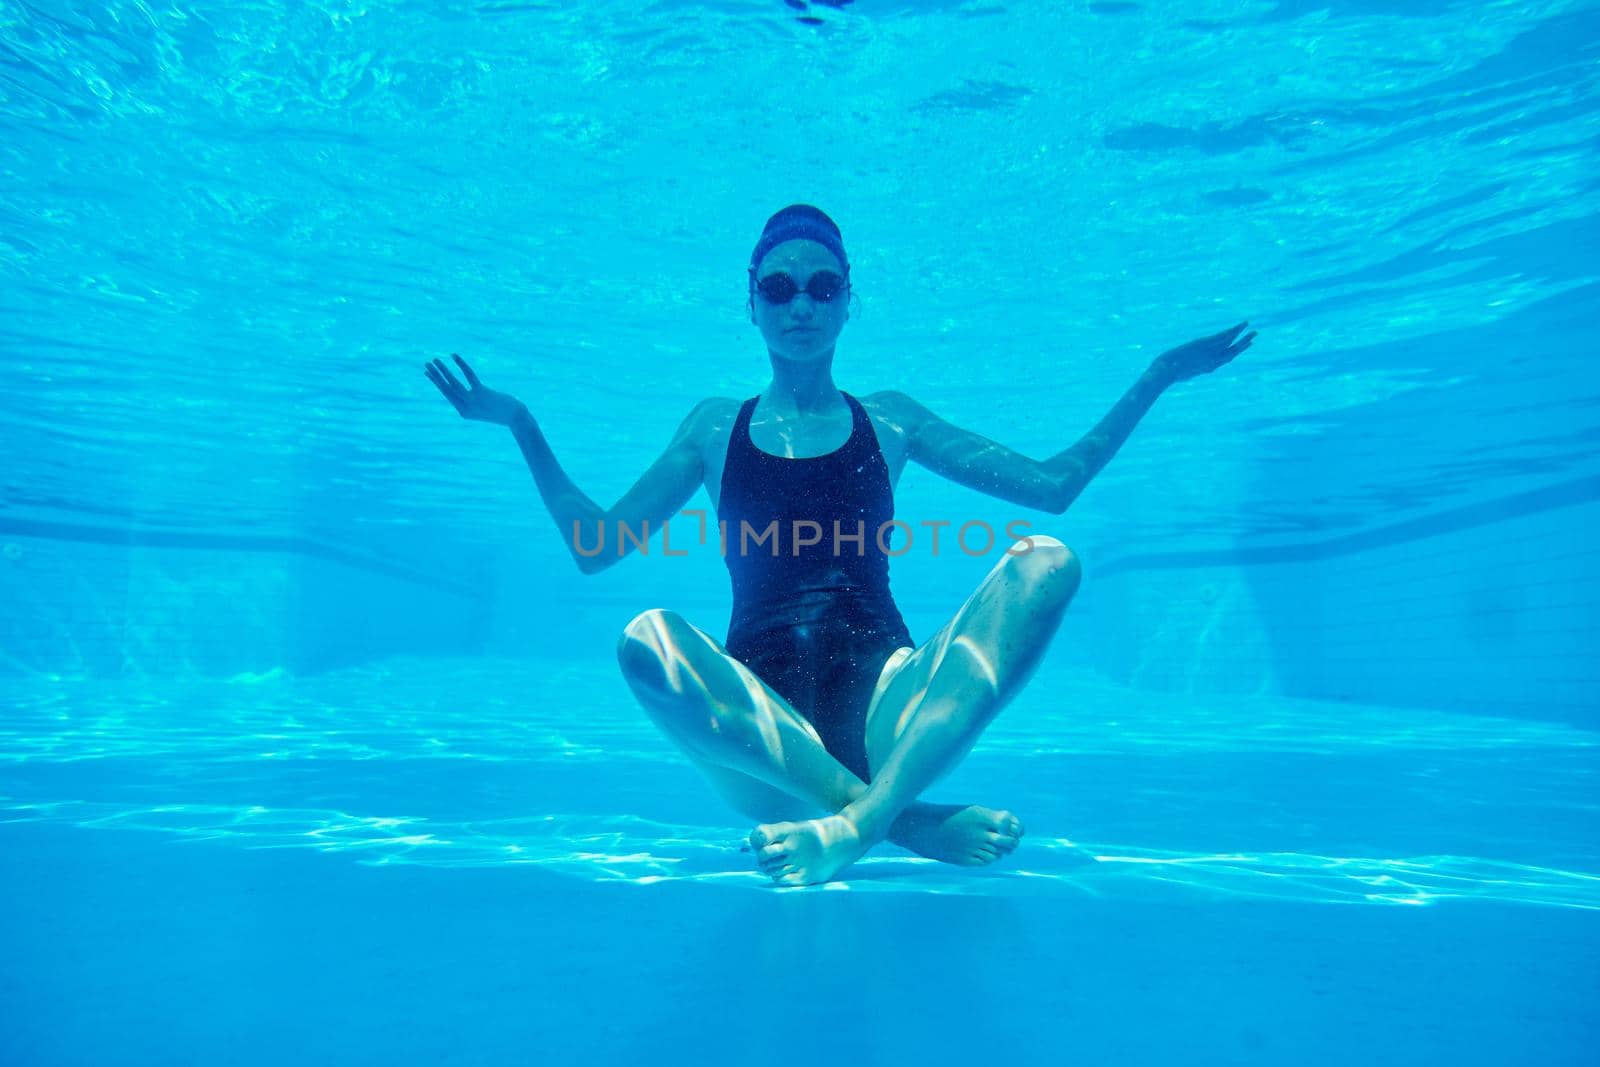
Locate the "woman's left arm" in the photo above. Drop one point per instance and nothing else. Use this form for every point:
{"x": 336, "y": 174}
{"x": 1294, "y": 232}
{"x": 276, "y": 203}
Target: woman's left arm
{"x": 1053, "y": 484}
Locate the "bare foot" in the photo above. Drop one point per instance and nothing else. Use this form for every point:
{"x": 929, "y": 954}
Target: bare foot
{"x": 804, "y": 853}
{"x": 968, "y": 836}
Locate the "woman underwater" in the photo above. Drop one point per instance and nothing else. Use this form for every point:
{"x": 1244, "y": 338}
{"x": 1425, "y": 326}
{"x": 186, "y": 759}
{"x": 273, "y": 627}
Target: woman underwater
{"x": 820, "y": 718}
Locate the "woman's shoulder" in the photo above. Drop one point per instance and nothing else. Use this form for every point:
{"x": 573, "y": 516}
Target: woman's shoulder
{"x": 712, "y": 417}
{"x": 889, "y": 406}
{"x": 882, "y": 398}
{"x": 891, "y": 412}
{"x": 717, "y": 408}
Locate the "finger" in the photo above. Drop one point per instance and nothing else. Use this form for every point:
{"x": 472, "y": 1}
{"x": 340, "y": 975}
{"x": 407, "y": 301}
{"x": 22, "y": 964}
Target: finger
{"x": 472, "y": 379}
{"x": 450, "y": 394}
{"x": 444, "y": 372}
{"x": 447, "y": 385}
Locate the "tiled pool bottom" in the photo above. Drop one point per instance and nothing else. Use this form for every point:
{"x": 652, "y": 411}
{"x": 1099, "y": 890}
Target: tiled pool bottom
{"x": 415, "y": 864}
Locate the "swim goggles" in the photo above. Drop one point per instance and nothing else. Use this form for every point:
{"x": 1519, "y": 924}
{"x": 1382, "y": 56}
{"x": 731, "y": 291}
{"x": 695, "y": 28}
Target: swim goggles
{"x": 779, "y": 288}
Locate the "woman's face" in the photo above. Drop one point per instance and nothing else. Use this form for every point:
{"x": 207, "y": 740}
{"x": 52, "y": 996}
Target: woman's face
{"x": 804, "y": 327}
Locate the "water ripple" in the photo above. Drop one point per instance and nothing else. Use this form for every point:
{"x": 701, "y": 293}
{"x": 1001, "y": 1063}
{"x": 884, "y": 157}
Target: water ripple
{"x": 642, "y": 852}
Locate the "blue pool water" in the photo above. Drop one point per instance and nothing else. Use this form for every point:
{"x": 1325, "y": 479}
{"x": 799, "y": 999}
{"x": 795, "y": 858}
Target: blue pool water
{"x": 313, "y": 744}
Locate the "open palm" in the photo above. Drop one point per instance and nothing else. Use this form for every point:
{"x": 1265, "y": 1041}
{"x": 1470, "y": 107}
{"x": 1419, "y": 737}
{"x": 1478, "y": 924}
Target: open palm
{"x": 474, "y": 400}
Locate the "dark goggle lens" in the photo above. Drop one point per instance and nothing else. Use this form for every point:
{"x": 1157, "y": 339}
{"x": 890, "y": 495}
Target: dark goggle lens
{"x": 780, "y": 288}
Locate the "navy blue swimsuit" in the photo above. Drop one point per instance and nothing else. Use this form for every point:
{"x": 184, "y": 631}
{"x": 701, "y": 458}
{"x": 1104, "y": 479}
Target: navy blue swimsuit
{"x": 814, "y": 625}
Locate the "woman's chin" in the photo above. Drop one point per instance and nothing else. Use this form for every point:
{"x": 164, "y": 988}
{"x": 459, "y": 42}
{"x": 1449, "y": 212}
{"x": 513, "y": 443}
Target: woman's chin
{"x": 802, "y": 346}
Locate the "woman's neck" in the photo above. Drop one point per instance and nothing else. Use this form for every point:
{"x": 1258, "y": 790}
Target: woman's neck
{"x": 802, "y": 387}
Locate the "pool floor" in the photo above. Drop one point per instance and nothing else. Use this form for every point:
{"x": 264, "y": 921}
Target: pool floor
{"x": 369, "y": 869}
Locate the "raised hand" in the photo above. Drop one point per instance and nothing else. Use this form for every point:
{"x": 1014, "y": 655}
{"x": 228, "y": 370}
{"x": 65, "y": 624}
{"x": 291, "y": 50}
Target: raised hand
{"x": 474, "y": 400}
{"x": 1205, "y": 355}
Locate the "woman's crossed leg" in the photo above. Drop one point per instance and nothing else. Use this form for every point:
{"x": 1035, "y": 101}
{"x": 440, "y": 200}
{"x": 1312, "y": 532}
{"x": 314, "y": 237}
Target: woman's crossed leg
{"x": 768, "y": 762}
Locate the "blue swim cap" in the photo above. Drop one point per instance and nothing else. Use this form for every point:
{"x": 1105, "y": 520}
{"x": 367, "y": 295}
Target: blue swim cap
{"x": 799, "y": 222}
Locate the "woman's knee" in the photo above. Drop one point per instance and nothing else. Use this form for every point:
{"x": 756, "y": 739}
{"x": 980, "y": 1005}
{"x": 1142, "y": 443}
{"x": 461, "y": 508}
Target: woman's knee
{"x": 1050, "y": 566}
{"x": 666, "y": 662}
{"x": 646, "y": 643}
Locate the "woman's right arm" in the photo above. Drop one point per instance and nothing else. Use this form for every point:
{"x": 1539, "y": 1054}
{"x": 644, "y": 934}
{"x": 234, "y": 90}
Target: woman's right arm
{"x": 658, "y": 495}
